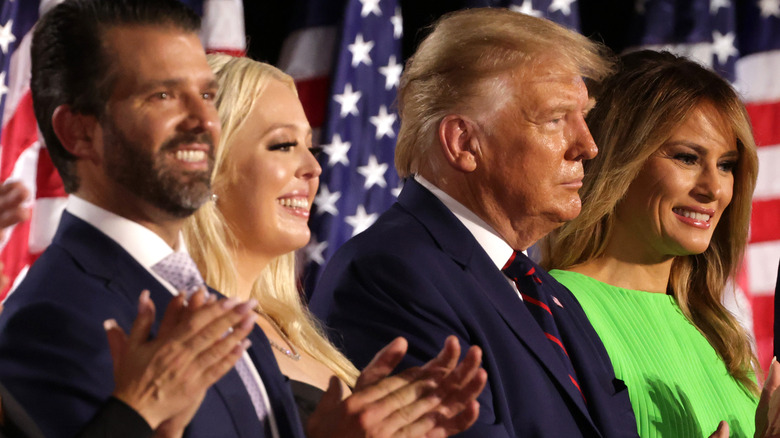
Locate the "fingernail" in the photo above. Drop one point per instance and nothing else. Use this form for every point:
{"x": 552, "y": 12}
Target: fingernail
{"x": 245, "y": 344}
{"x": 246, "y": 306}
{"x": 211, "y": 298}
{"x": 229, "y": 303}
{"x": 110, "y": 324}
{"x": 247, "y": 322}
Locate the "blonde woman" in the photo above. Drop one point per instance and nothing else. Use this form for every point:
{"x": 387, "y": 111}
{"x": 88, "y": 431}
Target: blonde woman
{"x": 664, "y": 223}
{"x": 266, "y": 177}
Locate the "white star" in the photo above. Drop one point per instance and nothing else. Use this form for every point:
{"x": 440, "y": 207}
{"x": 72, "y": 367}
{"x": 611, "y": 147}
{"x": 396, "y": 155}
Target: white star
{"x": 392, "y": 73}
{"x": 398, "y": 24}
{"x": 348, "y": 100}
{"x": 561, "y": 5}
{"x": 360, "y": 220}
{"x": 717, "y": 4}
{"x": 383, "y": 122}
{"x": 370, "y": 7}
{"x": 361, "y": 51}
{"x": 314, "y": 251}
{"x": 374, "y": 173}
{"x": 3, "y": 88}
{"x": 723, "y": 46}
{"x": 769, "y": 7}
{"x": 6, "y": 36}
{"x": 326, "y": 201}
{"x": 337, "y": 151}
{"x": 527, "y": 8}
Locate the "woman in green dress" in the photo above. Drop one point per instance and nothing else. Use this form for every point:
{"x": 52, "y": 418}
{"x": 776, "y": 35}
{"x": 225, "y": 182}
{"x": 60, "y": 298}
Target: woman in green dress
{"x": 663, "y": 227}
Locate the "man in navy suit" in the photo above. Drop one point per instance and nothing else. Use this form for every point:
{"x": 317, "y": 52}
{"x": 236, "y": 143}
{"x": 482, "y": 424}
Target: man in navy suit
{"x": 124, "y": 98}
{"x": 491, "y": 142}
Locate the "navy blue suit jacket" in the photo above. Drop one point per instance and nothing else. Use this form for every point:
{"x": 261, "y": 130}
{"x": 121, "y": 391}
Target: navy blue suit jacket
{"x": 419, "y": 273}
{"x": 54, "y": 356}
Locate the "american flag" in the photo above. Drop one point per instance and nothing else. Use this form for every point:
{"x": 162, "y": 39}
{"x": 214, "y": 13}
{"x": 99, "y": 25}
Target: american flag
{"x": 358, "y": 138}
{"x": 23, "y": 157}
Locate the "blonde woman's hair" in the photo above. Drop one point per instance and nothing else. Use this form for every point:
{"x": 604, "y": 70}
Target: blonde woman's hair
{"x": 640, "y": 107}
{"x": 463, "y": 59}
{"x": 209, "y": 239}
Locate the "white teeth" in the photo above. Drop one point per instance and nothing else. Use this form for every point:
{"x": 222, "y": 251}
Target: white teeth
{"x": 692, "y": 215}
{"x": 190, "y": 156}
{"x": 294, "y": 202}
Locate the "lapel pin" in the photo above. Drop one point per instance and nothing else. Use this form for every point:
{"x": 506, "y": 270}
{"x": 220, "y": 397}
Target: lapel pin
{"x": 557, "y": 302}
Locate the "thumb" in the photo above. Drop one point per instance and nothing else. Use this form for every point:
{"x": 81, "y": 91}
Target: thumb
{"x": 117, "y": 341}
{"x": 722, "y": 431}
{"x": 333, "y": 395}
{"x": 321, "y": 420}
{"x": 764, "y": 410}
{"x": 142, "y": 325}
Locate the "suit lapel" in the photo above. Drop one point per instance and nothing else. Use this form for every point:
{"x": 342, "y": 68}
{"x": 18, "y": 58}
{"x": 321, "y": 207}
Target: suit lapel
{"x": 101, "y": 256}
{"x": 456, "y": 241}
{"x": 279, "y": 394}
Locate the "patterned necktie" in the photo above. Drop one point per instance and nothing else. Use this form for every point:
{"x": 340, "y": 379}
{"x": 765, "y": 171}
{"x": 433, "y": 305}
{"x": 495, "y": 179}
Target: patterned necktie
{"x": 522, "y": 271}
{"x": 180, "y": 270}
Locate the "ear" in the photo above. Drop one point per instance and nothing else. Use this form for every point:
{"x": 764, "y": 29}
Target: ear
{"x": 75, "y": 131}
{"x": 459, "y": 141}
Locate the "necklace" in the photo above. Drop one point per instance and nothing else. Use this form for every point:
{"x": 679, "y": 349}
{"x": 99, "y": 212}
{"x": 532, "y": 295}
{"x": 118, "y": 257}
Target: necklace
{"x": 291, "y": 352}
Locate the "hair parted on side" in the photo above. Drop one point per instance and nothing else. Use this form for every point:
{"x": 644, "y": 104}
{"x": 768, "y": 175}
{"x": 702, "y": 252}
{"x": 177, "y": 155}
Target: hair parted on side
{"x": 465, "y": 50}
{"x": 210, "y": 240}
{"x": 651, "y": 95}
{"x": 71, "y": 64}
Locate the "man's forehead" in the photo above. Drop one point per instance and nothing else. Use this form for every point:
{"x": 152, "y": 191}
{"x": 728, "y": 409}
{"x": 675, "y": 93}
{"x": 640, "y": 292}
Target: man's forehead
{"x": 155, "y": 53}
{"x": 129, "y": 42}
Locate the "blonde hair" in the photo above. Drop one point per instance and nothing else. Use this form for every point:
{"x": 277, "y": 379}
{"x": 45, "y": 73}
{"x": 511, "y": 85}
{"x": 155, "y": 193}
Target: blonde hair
{"x": 641, "y": 106}
{"x": 209, "y": 238}
{"x": 458, "y": 61}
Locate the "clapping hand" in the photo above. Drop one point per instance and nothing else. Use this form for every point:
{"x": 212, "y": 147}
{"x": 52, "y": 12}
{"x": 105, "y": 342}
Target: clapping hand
{"x": 435, "y": 400}
{"x": 165, "y": 379}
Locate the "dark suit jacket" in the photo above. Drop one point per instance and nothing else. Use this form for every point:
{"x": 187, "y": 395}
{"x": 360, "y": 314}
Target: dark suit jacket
{"x": 55, "y": 359}
{"x": 17, "y": 424}
{"x": 419, "y": 273}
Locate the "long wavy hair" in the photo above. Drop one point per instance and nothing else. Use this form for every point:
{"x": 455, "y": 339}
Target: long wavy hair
{"x": 640, "y": 107}
{"x": 210, "y": 239}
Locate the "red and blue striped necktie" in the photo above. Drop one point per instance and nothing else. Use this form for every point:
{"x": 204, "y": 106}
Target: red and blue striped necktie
{"x": 522, "y": 271}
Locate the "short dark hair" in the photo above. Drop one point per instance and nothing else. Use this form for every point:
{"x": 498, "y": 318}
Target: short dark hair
{"x": 71, "y": 66}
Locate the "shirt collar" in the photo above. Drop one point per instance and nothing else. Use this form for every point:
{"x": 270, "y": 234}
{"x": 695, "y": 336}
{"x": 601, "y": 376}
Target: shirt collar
{"x": 143, "y": 244}
{"x": 496, "y": 247}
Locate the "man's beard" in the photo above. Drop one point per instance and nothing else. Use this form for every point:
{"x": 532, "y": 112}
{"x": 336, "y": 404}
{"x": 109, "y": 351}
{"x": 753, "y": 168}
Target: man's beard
{"x": 148, "y": 175}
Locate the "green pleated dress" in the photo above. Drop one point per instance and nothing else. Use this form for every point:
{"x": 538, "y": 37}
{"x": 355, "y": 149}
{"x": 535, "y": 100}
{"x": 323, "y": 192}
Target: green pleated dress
{"x": 678, "y": 385}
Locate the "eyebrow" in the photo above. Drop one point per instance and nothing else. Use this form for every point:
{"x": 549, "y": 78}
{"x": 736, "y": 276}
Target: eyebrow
{"x": 293, "y": 126}
{"x": 174, "y": 82}
{"x": 702, "y": 150}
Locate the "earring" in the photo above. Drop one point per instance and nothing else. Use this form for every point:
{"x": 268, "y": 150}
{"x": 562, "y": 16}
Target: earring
{"x": 214, "y": 198}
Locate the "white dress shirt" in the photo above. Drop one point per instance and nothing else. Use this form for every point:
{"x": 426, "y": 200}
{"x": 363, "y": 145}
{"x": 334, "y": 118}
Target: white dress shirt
{"x": 494, "y": 245}
{"x": 147, "y": 248}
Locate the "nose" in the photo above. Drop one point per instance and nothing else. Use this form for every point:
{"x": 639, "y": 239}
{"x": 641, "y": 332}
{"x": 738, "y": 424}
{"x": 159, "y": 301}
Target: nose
{"x": 582, "y": 146}
{"x": 710, "y": 184}
{"x": 201, "y": 116}
{"x": 309, "y": 167}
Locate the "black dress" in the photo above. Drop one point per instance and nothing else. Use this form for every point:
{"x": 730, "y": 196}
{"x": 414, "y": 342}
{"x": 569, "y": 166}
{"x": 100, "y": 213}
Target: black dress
{"x": 306, "y": 398}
